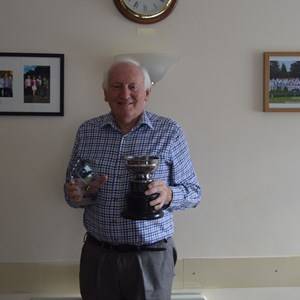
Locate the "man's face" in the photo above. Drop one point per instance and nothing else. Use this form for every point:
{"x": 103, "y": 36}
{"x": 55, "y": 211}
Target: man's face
{"x": 125, "y": 92}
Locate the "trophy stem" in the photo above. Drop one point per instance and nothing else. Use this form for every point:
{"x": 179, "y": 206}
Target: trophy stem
{"x": 138, "y": 207}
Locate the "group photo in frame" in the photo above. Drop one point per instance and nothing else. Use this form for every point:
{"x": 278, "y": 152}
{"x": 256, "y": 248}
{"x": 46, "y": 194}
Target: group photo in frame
{"x": 31, "y": 84}
{"x": 282, "y": 81}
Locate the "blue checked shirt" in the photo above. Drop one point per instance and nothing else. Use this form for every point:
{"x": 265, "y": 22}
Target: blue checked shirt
{"x": 100, "y": 141}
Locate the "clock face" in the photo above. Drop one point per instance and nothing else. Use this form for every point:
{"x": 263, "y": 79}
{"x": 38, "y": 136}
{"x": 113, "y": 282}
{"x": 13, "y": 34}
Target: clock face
{"x": 146, "y": 7}
{"x": 145, "y": 11}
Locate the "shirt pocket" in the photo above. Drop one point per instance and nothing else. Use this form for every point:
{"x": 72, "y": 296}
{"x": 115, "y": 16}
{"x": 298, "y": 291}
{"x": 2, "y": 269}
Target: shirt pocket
{"x": 163, "y": 171}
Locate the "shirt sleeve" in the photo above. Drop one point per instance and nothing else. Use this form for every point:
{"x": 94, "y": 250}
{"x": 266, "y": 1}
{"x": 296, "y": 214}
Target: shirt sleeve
{"x": 184, "y": 182}
{"x": 68, "y": 172}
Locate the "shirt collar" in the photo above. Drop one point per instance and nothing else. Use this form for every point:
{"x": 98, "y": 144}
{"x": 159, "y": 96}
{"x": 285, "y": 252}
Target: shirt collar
{"x": 109, "y": 120}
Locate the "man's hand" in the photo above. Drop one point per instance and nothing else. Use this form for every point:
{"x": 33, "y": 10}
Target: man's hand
{"x": 165, "y": 194}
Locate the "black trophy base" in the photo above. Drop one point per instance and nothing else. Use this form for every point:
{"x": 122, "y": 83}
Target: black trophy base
{"x": 138, "y": 207}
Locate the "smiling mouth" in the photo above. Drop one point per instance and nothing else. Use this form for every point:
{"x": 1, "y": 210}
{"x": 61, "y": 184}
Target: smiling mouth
{"x": 125, "y": 104}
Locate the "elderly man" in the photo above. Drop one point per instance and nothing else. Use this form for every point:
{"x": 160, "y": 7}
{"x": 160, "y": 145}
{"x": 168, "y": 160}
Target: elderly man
{"x": 126, "y": 259}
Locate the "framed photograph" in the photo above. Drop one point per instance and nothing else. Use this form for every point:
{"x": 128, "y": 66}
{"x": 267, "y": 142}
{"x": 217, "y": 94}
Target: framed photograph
{"x": 31, "y": 84}
{"x": 282, "y": 81}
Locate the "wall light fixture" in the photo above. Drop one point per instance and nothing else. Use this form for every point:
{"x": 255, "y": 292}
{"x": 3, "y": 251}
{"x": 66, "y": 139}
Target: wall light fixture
{"x": 157, "y": 64}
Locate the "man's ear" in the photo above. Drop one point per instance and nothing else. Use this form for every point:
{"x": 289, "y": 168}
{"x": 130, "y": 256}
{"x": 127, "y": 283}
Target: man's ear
{"x": 148, "y": 91}
{"x": 105, "y": 99}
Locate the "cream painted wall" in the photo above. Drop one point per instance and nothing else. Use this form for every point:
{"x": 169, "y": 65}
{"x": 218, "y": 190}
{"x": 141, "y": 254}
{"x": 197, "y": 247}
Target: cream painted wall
{"x": 247, "y": 160}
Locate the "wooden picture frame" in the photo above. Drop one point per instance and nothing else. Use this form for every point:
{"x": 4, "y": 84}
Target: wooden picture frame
{"x": 281, "y": 81}
{"x": 31, "y": 84}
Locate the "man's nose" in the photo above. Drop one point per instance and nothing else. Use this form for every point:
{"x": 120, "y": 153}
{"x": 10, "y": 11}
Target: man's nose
{"x": 125, "y": 92}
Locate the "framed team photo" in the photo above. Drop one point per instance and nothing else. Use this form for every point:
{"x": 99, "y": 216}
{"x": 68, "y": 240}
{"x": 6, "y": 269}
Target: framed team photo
{"x": 282, "y": 81}
{"x": 32, "y": 84}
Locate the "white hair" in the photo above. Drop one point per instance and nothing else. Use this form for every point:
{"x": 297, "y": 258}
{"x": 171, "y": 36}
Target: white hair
{"x": 129, "y": 60}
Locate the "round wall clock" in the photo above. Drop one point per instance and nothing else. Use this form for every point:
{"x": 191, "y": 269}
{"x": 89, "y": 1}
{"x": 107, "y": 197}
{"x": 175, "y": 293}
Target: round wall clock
{"x": 145, "y": 11}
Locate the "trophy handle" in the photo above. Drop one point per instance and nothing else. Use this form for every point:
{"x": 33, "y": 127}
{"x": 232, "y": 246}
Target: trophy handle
{"x": 153, "y": 196}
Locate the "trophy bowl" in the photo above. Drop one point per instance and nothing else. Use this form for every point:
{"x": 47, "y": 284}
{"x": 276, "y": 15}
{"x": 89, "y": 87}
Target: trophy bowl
{"x": 137, "y": 203}
{"x": 142, "y": 166}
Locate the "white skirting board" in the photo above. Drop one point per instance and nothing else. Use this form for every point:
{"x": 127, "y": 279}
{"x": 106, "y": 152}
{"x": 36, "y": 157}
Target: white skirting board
{"x": 186, "y": 296}
{"x": 175, "y": 296}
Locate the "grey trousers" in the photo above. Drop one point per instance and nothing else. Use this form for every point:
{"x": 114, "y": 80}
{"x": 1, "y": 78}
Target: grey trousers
{"x": 138, "y": 275}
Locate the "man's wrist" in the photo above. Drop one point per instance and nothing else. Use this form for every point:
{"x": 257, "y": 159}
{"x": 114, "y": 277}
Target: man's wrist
{"x": 169, "y": 197}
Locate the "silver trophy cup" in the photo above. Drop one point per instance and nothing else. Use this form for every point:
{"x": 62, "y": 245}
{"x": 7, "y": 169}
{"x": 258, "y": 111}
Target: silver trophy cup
{"x": 137, "y": 203}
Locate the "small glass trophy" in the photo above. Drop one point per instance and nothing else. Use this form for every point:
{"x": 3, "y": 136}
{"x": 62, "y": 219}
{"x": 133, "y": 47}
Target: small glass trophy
{"x": 83, "y": 174}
